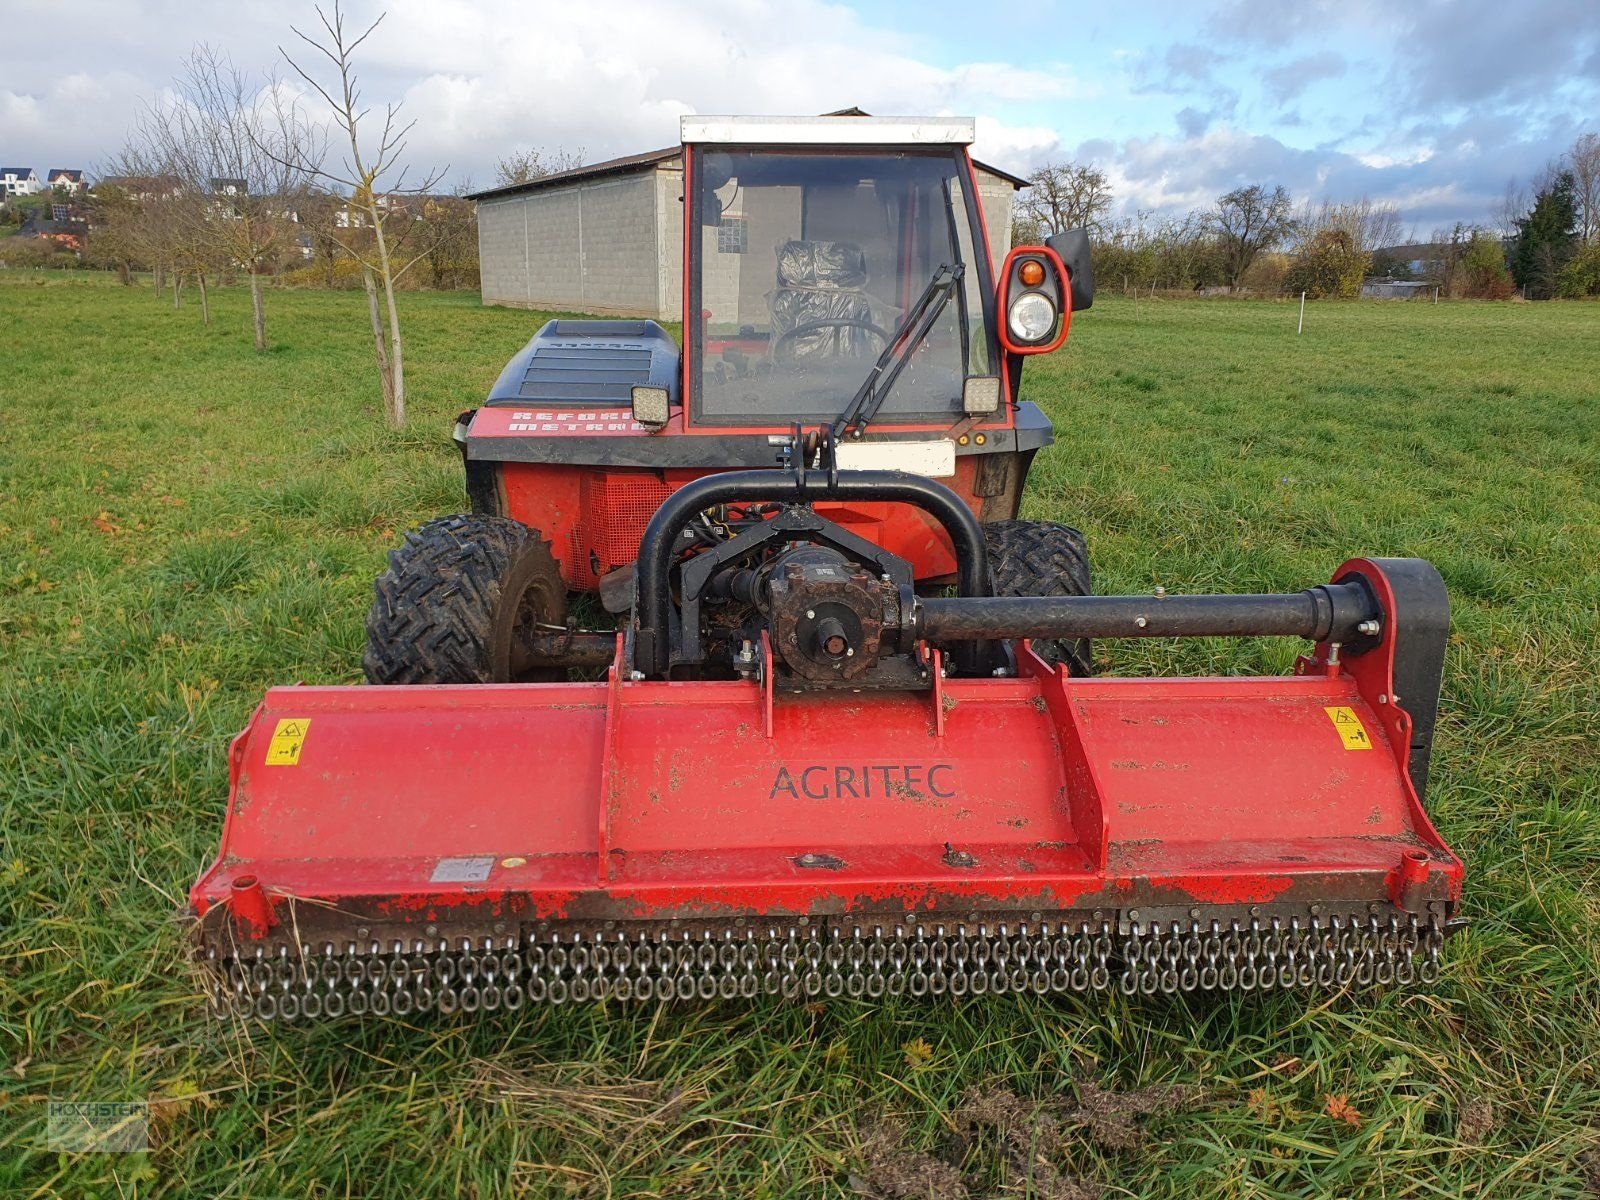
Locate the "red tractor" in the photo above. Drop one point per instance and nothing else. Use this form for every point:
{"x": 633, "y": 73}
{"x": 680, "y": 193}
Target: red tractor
{"x": 863, "y": 305}
{"x": 847, "y": 741}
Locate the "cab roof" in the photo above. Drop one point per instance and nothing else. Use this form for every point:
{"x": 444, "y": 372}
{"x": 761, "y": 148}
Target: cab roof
{"x": 827, "y": 131}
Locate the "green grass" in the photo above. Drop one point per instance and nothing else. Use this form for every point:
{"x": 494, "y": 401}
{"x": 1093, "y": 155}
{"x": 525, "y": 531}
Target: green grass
{"x": 184, "y": 522}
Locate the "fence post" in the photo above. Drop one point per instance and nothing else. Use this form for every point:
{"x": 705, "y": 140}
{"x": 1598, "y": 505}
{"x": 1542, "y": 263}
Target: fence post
{"x": 1302, "y": 327}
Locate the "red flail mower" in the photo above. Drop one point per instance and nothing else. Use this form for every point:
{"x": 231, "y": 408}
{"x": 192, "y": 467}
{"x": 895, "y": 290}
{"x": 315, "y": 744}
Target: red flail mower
{"x": 848, "y": 740}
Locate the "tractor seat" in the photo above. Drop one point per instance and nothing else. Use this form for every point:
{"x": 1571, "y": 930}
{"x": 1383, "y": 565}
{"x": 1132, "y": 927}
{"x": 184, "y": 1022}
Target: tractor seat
{"x": 822, "y": 281}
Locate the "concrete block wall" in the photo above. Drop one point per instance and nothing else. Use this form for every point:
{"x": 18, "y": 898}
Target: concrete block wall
{"x": 995, "y": 197}
{"x": 591, "y": 247}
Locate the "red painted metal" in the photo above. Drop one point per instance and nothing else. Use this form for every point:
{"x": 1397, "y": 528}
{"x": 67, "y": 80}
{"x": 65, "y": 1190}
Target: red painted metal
{"x": 659, "y": 799}
{"x": 594, "y": 516}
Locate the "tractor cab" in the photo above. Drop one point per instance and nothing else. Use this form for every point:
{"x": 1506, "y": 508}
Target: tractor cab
{"x": 808, "y": 262}
{"x": 837, "y": 278}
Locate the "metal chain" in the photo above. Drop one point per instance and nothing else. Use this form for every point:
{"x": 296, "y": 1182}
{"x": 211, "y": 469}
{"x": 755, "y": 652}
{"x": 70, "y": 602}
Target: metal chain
{"x": 824, "y": 959}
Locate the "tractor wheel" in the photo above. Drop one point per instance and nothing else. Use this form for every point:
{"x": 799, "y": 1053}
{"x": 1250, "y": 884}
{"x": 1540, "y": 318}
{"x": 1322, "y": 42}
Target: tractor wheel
{"x": 1042, "y": 558}
{"x": 455, "y": 599}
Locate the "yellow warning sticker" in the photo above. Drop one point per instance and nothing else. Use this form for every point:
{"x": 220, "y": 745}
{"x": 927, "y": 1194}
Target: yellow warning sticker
{"x": 287, "y": 739}
{"x": 1351, "y": 731}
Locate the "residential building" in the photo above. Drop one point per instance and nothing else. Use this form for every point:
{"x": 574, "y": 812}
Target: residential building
{"x": 19, "y": 181}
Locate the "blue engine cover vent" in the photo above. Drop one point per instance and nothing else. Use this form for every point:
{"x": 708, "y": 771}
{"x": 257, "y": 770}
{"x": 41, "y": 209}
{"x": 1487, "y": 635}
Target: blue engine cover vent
{"x": 589, "y": 364}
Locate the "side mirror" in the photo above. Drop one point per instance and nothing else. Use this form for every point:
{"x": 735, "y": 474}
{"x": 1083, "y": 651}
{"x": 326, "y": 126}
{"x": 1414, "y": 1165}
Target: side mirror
{"x": 1072, "y": 247}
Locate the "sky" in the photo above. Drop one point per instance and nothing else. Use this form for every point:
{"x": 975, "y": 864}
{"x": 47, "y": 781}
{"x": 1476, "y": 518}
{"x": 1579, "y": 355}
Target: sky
{"x": 1434, "y": 105}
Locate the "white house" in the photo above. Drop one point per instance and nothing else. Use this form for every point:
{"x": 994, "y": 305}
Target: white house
{"x": 64, "y": 177}
{"x": 19, "y": 181}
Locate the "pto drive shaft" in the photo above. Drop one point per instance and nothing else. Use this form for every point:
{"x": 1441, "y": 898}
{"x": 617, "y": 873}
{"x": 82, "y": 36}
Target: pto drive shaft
{"x": 1338, "y": 612}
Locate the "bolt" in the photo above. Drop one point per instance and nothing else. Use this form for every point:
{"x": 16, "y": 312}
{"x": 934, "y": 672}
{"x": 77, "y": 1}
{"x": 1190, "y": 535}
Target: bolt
{"x": 636, "y": 676}
{"x": 432, "y": 931}
{"x": 1140, "y": 622}
{"x": 850, "y": 653}
{"x": 362, "y": 931}
{"x": 1000, "y": 673}
{"x": 1383, "y": 699}
{"x": 811, "y": 614}
{"x": 1161, "y": 592}
{"x": 1369, "y": 627}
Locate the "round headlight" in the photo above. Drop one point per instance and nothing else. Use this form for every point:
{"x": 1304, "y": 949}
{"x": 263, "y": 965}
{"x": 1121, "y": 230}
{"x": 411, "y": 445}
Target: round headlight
{"x": 1032, "y": 317}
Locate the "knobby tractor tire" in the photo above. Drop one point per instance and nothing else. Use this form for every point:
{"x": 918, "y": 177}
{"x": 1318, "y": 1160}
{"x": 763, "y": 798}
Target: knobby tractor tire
{"x": 456, "y": 596}
{"x": 1042, "y": 558}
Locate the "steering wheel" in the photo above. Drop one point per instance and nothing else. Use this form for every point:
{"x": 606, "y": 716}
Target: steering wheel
{"x": 787, "y": 337}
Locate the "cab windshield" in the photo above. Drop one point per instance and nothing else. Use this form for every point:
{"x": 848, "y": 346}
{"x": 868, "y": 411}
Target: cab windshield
{"x": 806, "y": 265}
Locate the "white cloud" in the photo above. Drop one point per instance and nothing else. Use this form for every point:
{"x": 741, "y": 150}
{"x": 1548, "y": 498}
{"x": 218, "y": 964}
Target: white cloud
{"x": 1404, "y": 158}
{"x": 483, "y": 77}
{"x": 559, "y": 77}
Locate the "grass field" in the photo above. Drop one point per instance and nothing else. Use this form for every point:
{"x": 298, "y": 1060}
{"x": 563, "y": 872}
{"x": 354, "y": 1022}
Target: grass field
{"x": 184, "y": 522}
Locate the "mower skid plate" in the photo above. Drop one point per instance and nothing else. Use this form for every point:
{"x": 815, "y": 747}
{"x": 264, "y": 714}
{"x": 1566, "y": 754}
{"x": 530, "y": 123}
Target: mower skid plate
{"x": 484, "y": 825}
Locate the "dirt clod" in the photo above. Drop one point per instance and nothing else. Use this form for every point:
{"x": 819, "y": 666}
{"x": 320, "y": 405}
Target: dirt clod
{"x": 1033, "y": 1141}
{"x": 1475, "y": 1122}
{"x": 889, "y": 1169}
{"x": 1036, "y": 1141}
{"x": 1589, "y": 1163}
{"x": 1110, "y": 1116}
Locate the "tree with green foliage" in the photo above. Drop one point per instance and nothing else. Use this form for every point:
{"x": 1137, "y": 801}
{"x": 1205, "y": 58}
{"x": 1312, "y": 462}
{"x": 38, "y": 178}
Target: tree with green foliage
{"x": 1483, "y": 268}
{"x": 1546, "y": 238}
{"x": 1581, "y": 275}
{"x": 1331, "y": 266}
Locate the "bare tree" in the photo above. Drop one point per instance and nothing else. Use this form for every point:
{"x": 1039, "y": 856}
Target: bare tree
{"x": 1365, "y": 227}
{"x": 372, "y": 174}
{"x": 1445, "y": 267}
{"x": 1062, "y": 196}
{"x": 451, "y": 241}
{"x": 1584, "y": 158}
{"x": 324, "y": 217}
{"x": 520, "y": 166}
{"x": 238, "y": 158}
{"x": 1512, "y": 206}
{"x": 114, "y": 226}
{"x": 153, "y": 197}
{"x": 1247, "y": 221}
